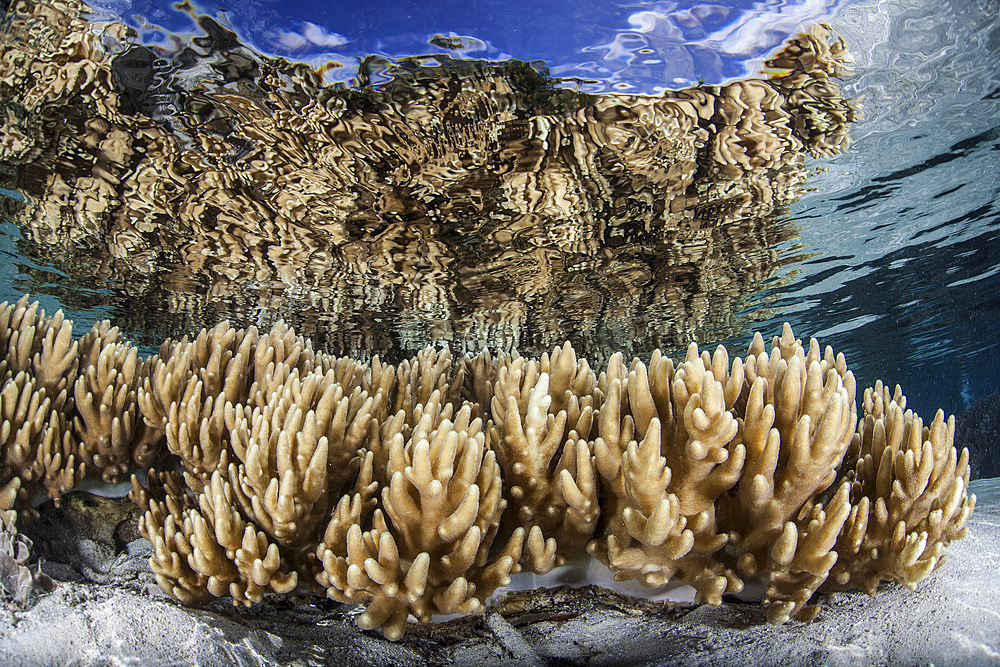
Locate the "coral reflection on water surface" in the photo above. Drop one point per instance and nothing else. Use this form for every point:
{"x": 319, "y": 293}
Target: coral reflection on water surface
{"x": 467, "y": 202}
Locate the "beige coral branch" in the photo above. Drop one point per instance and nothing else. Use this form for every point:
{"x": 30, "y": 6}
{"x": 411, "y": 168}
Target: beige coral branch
{"x": 799, "y": 420}
{"x": 428, "y": 549}
{"x": 38, "y": 369}
{"x": 395, "y": 487}
{"x": 910, "y": 495}
{"x": 112, "y": 434}
{"x": 801, "y": 558}
{"x": 667, "y": 484}
{"x": 294, "y": 453}
{"x": 544, "y": 414}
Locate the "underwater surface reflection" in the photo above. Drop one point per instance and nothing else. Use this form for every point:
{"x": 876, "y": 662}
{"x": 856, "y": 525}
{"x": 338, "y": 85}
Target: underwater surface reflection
{"x": 482, "y": 203}
{"x": 472, "y": 203}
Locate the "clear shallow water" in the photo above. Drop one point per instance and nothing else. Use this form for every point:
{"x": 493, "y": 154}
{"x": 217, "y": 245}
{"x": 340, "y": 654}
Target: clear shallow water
{"x": 891, "y": 254}
{"x": 906, "y": 224}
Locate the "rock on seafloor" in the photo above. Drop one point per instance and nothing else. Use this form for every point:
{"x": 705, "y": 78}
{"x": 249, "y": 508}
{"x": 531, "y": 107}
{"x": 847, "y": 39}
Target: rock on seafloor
{"x": 110, "y": 612}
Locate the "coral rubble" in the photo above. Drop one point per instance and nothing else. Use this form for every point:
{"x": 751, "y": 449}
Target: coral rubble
{"x": 418, "y": 489}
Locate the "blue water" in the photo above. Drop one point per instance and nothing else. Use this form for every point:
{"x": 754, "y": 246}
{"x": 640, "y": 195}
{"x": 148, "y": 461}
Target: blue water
{"x": 906, "y": 224}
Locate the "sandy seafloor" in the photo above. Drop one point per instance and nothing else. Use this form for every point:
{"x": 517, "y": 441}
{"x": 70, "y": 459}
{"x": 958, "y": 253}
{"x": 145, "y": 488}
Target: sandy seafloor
{"x": 953, "y": 617}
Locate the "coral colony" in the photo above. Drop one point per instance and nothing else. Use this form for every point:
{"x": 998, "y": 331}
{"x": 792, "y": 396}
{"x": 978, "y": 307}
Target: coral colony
{"x": 418, "y": 489}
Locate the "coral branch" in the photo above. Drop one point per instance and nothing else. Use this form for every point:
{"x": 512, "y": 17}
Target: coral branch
{"x": 395, "y": 487}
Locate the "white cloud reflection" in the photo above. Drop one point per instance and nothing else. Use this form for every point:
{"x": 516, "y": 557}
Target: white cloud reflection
{"x": 308, "y": 36}
{"x": 679, "y": 42}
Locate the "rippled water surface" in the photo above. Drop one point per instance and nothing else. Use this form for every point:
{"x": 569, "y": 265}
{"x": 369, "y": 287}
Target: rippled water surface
{"x": 627, "y": 178}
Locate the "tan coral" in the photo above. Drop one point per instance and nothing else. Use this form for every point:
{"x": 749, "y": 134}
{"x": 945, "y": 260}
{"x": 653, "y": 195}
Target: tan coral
{"x": 418, "y": 393}
{"x": 165, "y": 501}
{"x": 411, "y": 383}
{"x": 210, "y": 550}
{"x": 544, "y": 414}
{"x": 478, "y": 373}
{"x": 909, "y": 496}
{"x": 268, "y": 460}
{"x": 293, "y": 454}
{"x": 666, "y": 485}
{"x": 111, "y": 432}
{"x": 60, "y": 422}
{"x": 427, "y": 550}
{"x": 653, "y": 536}
{"x": 799, "y": 419}
{"x": 802, "y": 557}
{"x": 41, "y": 345}
{"x": 38, "y": 370}
{"x": 384, "y": 485}
{"x": 276, "y": 355}
{"x": 707, "y": 468}
{"x": 187, "y": 390}
{"x": 8, "y": 496}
